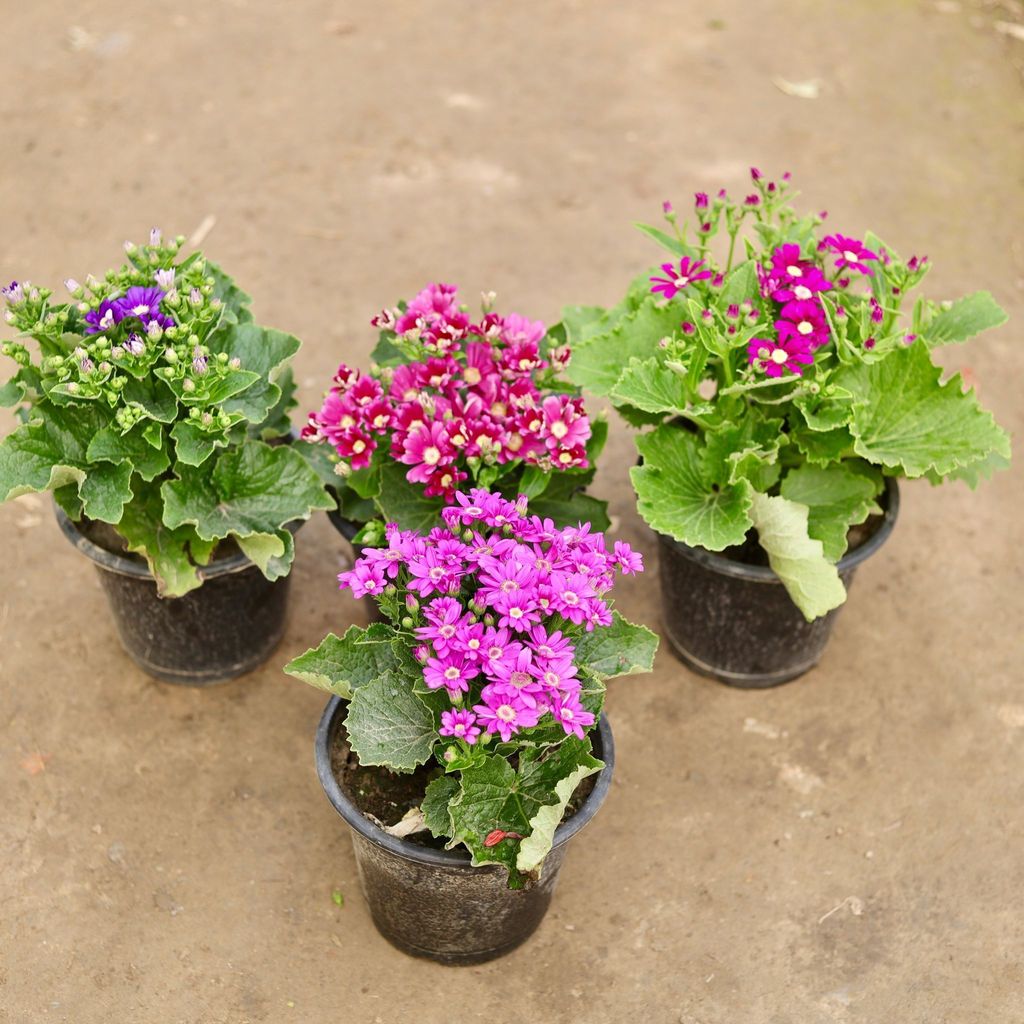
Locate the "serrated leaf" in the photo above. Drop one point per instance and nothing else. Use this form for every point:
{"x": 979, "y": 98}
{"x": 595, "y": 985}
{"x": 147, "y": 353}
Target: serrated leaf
{"x": 402, "y": 502}
{"x": 341, "y": 665}
{"x": 106, "y": 490}
{"x": 264, "y": 351}
{"x": 964, "y": 319}
{"x": 389, "y": 725}
{"x": 153, "y": 397}
{"x": 597, "y": 363}
{"x": 166, "y": 551}
{"x": 744, "y": 450}
{"x": 650, "y": 387}
{"x": 435, "y": 805}
{"x": 566, "y": 504}
{"x": 837, "y": 497}
{"x": 536, "y": 846}
{"x": 110, "y": 445}
{"x": 214, "y": 391}
{"x": 193, "y": 446}
{"x": 675, "y": 497}
{"x": 621, "y": 649}
{"x": 811, "y": 581}
{"x": 251, "y": 490}
{"x": 903, "y": 417}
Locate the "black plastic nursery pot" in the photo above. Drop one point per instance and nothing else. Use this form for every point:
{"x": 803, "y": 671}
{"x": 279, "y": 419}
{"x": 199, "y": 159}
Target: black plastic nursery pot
{"x": 734, "y": 622}
{"x": 225, "y": 628}
{"x": 434, "y": 903}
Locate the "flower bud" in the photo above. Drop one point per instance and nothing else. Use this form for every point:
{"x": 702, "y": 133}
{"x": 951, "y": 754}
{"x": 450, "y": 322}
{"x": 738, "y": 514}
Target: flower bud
{"x": 188, "y": 385}
{"x": 235, "y": 364}
{"x": 406, "y": 622}
{"x": 170, "y": 355}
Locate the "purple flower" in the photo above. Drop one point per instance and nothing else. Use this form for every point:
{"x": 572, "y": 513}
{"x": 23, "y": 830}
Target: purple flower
{"x": 627, "y": 560}
{"x": 144, "y": 305}
{"x": 444, "y": 616}
{"x": 165, "y": 279}
{"x": 102, "y": 318}
{"x": 364, "y": 578}
{"x": 676, "y": 281}
{"x": 518, "y": 677}
{"x": 459, "y": 723}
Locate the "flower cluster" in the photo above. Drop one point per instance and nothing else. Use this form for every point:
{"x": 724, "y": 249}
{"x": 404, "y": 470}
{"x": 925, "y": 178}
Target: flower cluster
{"x": 791, "y": 320}
{"x": 469, "y": 393}
{"x": 493, "y": 601}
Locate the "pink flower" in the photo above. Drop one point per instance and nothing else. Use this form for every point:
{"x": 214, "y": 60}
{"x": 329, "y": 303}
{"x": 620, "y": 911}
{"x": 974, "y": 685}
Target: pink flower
{"x": 518, "y": 677}
{"x": 804, "y": 321}
{"x": 851, "y": 254}
{"x": 627, "y": 560}
{"x": 676, "y": 281}
{"x": 444, "y": 616}
{"x": 506, "y": 714}
{"x": 777, "y": 358}
{"x": 453, "y": 674}
{"x": 571, "y": 715}
{"x": 364, "y": 578}
{"x": 459, "y": 723}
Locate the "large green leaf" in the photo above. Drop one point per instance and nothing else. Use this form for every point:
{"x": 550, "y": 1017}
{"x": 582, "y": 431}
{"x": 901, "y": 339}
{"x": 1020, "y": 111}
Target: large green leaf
{"x": 620, "y": 649}
{"x": 152, "y": 397}
{"x": 236, "y": 302}
{"x": 565, "y": 503}
{"x": 598, "y": 362}
{"x": 676, "y": 497}
{"x": 435, "y": 805}
{"x": 964, "y": 319}
{"x": 403, "y": 502}
{"x": 905, "y": 418}
{"x": 264, "y": 351}
{"x": 494, "y": 796}
{"x": 536, "y": 846}
{"x": 110, "y": 445}
{"x": 166, "y": 551}
{"x": 341, "y": 665}
{"x": 837, "y": 497}
{"x": 251, "y": 492}
{"x": 389, "y": 725}
{"x": 651, "y": 387}
{"x": 809, "y": 577}
{"x": 192, "y": 445}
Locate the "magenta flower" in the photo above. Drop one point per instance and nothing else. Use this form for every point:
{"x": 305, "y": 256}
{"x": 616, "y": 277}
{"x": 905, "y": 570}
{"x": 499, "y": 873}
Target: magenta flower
{"x": 459, "y": 723}
{"x": 571, "y": 715}
{"x": 850, "y": 253}
{"x": 364, "y": 578}
{"x": 804, "y": 321}
{"x": 518, "y": 677}
{"x": 444, "y": 616}
{"x": 454, "y": 675}
{"x": 627, "y": 560}
{"x": 506, "y": 714}
{"x": 777, "y": 358}
{"x": 676, "y": 281}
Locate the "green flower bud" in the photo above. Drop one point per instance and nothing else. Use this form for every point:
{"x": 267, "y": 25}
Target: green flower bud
{"x": 188, "y": 385}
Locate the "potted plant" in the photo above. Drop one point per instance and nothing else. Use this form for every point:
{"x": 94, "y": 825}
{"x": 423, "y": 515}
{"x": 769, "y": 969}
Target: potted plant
{"x": 783, "y": 381}
{"x": 156, "y": 411}
{"x": 453, "y": 402}
{"x": 463, "y": 737}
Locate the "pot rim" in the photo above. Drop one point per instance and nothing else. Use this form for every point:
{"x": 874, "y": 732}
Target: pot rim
{"x": 458, "y": 859}
{"x": 765, "y": 574}
{"x": 122, "y": 565}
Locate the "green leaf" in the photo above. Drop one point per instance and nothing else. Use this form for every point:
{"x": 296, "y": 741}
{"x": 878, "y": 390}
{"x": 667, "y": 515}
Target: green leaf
{"x": 650, "y": 387}
{"x": 620, "y": 649}
{"x": 264, "y": 351}
{"x": 403, "y": 503}
{"x": 740, "y": 285}
{"x": 153, "y": 397}
{"x": 194, "y": 446}
{"x": 165, "y": 550}
{"x": 250, "y": 493}
{"x": 566, "y": 504}
{"x": 837, "y": 497}
{"x": 214, "y": 391}
{"x": 536, "y": 846}
{"x": 110, "y": 445}
{"x": 533, "y": 481}
{"x": 105, "y": 491}
{"x": 277, "y": 422}
{"x": 904, "y": 418}
{"x": 810, "y": 579}
{"x": 389, "y": 725}
{"x": 597, "y": 363}
{"x": 667, "y": 242}
{"x": 675, "y": 496}
{"x": 341, "y": 665}
{"x": 743, "y": 450}
{"x": 435, "y": 805}
{"x": 964, "y": 319}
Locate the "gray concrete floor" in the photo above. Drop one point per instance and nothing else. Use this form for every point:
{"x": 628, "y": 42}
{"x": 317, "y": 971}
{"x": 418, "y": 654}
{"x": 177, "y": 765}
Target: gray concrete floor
{"x": 846, "y": 848}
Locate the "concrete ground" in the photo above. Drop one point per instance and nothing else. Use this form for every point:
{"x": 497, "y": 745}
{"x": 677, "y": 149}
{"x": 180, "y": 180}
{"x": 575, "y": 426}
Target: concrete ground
{"x": 843, "y": 849}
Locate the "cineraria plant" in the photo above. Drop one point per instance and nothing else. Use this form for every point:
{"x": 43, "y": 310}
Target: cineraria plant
{"x": 149, "y": 405}
{"x": 455, "y": 402}
{"x": 491, "y": 668}
{"x": 784, "y": 383}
